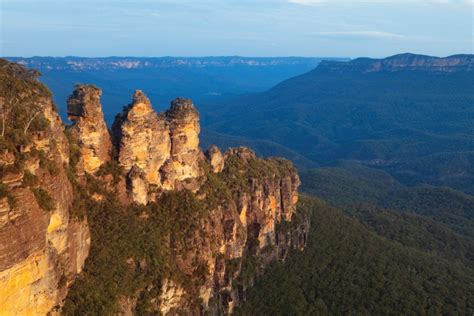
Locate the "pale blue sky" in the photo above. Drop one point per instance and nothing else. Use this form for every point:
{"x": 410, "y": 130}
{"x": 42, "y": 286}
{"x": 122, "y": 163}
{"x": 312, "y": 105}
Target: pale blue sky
{"x": 235, "y": 27}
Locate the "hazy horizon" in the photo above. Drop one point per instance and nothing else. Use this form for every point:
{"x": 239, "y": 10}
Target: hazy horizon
{"x": 277, "y": 28}
{"x": 231, "y": 56}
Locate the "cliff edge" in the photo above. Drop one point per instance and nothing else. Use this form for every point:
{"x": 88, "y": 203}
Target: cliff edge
{"x": 166, "y": 228}
{"x": 43, "y": 246}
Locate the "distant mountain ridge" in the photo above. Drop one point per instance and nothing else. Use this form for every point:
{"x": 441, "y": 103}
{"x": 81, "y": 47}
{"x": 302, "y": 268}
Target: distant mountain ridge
{"x": 168, "y": 229}
{"x": 163, "y": 78}
{"x": 403, "y": 62}
{"x": 214, "y": 225}
{"x": 96, "y": 63}
{"x": 411, "y": 115}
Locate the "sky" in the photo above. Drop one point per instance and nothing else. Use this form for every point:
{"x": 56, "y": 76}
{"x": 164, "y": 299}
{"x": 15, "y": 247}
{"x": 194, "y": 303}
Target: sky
{"x": 339, "y": 28}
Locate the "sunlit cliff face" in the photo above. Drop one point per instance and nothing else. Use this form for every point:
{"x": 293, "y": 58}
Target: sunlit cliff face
{"x": 43, "y": 246}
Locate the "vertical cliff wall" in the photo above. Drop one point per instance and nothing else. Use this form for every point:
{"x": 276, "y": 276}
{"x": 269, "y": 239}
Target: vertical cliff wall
{"x": 169, "y": 229}
{"x": 89, "y": 128}
{"x": 251, "y": 224}
{"x": 185, "y": 153}
{"x": 42, "y": 247}
{"x": 157, "y": 152}
{"x": 221, "y": 218}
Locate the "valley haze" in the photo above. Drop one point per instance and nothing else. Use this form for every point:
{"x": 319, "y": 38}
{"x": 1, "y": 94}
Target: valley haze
{"x": 236, "y": 157}
{"x": 383, "y": 147}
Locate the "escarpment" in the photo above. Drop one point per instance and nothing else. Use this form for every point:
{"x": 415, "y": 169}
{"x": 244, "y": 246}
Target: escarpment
{"x": 180, "y": 231}
{"x": 43, "y": 246}
{"x": 403, "y": 62}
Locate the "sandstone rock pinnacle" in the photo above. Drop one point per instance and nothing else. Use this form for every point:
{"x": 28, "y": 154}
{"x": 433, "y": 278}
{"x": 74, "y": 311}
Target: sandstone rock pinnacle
{"x": 205, "y": 237}
{"x": 142, "y": 138}
{"x": 89, "y": 127}
{"x": 215, "y": 157}
{"x": 184, "y": 127}
{"x": 165, "y": 147}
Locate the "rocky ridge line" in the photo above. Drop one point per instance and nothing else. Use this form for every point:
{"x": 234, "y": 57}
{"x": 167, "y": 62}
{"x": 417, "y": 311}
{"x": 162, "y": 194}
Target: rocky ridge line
{"x": 158, "y": 153}
{"x": 49, "y": 181}
{"x": 42, "y": 245}
{"x": 402, "y": 62}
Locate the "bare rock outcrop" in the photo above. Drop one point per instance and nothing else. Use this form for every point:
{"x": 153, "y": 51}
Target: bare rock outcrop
{"x": 143, "y": 141}
{"x": 215, "y": 158}
{"x": 243, "y": 232}
{"x": 89, "y": 127}
{"x": 42, "y": 247}
{"x": 165, "y": 147}
{"x": 403, "y": 62}
{"x": 209, "y": 227}
{"x": 184, "y": 126}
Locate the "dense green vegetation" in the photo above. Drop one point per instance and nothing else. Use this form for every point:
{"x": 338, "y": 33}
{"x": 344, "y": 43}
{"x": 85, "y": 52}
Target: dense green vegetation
{"x": 22, "y": 102}
{"x": 352, "y": 187}
{"x": 44, "y": 200}
{"x": 387, "y": 249}
{"x": 418, "y": 125}
{"x": 238, "y": 171}
{"x": 386, "y": 245}
{"x": 130, "y": 250}
{"x": 134, "y": 247}
{"x": 20, "y": 106}
{"x": 349, "y": 269}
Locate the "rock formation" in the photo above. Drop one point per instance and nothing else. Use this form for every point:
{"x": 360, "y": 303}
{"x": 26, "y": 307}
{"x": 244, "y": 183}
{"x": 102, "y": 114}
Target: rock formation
{"x": 165, "y": 147}
{"x": 403, "y": 62}
{"x": 42, "y": 247}
{"x": 142, "y": 138}
{"x": 184, "y": 126}
{"x": 89, "y": 127}
{"x": 223, "y": 217}
{"x": 243, "y": 232}
{"x": 143, "y": 142}
{"x": 216, "y": 159}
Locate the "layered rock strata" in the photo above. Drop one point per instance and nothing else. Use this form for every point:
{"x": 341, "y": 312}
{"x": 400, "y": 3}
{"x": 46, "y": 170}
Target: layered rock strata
{"x": 42, "y": 247}
{"x": 245, "y": 232}
{"x": 157, "y": 151}
{"x": 246, "y": 217}
{"x": 89, "y": 127}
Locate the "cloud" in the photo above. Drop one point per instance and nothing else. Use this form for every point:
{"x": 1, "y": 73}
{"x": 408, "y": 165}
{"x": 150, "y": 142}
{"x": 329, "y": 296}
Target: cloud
{"x": 358, "y": 35}
{"x": 355, "y": 2}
